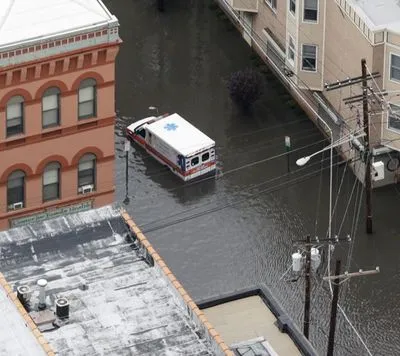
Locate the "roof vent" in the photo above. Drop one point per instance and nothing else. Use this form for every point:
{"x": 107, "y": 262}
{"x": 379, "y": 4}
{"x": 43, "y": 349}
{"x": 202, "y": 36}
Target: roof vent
{"x": 42, "y": 283}
{"x": 62, "y": 308}
{"x": 24, "y": 295}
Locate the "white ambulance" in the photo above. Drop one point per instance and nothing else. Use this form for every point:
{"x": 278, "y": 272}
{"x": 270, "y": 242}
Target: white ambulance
{"x": 176, "y": 143}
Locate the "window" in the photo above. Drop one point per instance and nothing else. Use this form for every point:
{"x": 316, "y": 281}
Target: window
{"x": 15, "y": 116}
{"x": 87, "y": 172}
{"x": 309, "y": 62}
{"x": 51, "y": 182}
{"x": 271, "y": 3}
{"x": 310, "y": 10}
{"x": 292, "y": 6}
{"x": 194, "y": 161}
{"x": 141, "y": 132}
{"x": 394, "y": 117}
{"x": 51, "y": 107}
{"x": 87, "y": 99}
{"x": 291, "y": 49}
{"x": 16, "y": 190}
{"x": 395, "y": 67}
{"x": 205, "y": 157}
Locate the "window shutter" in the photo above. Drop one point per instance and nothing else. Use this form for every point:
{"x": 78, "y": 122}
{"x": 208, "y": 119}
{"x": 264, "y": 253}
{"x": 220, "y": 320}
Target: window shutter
{"x": 311, "y": 4}
{"x": 50, "y": 177}
{"x": 83, "y": 166}
{"x": 86, "y": 94}
{"x": 50, "y": 102}
{"x": 14, "y": 111}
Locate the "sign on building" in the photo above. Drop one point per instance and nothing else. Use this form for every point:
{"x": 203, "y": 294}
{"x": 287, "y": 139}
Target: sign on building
{"x": 51, "y": 214}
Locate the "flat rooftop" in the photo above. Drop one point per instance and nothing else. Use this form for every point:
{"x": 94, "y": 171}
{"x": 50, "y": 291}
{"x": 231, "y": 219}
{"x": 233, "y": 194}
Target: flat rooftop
{"x": 25, "y": 20}
{"x": 247, "y": 324}
{"x": 119, "y": 303}
{"x": 380, "y": 14}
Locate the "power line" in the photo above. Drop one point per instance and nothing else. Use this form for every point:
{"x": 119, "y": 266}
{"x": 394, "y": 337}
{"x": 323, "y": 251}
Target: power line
{"x": 218, "y": 208}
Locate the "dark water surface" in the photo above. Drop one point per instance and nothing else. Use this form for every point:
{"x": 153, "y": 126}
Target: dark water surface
{"x": 179, "y": 61}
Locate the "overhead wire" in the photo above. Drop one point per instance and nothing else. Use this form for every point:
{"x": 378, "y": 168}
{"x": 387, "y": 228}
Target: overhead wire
{"x": 339, "y": 306}
{"x": 221, "y": 207}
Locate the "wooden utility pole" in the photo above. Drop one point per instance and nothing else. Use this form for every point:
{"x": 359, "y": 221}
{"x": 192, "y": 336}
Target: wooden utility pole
{"x": 335, "y": 298}
{"x": 307, "y": 299}
{"x": 308, "y": 244}
{"x": 363, "y": 79}
{"x": 368, "y": 183}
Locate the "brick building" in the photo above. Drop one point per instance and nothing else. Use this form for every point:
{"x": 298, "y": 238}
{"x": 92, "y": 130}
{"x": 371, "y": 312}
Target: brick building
{"x": 57, "y": 79}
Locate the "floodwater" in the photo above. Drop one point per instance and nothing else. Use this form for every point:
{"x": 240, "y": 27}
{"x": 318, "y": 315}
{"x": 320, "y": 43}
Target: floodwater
{"x": 239, "y": 230}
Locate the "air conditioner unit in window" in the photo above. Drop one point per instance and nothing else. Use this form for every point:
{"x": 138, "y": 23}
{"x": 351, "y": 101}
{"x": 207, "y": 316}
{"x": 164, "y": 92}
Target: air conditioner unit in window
{"x": 86, "y": 189}
{"x": 16, "y": 206}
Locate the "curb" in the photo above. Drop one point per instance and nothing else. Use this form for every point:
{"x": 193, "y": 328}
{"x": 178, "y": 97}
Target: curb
{"x": 185, "y": 296}
{"x": 27, "y": 319}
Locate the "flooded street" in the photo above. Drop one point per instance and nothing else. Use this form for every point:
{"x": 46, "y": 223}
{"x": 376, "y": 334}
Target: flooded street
{"x": 239, "y": 230}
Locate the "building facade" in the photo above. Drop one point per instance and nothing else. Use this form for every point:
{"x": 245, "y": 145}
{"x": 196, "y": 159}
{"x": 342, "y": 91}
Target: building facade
{"x": 56, "y": 109}
{"x": 315, "y": 46}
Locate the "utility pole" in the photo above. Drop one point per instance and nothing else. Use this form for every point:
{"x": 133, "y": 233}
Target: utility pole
{"x": 126, "y": 148}
{"x": 368, "y": 183}
{"x": 308, "y": 266}
{"x": 335, "y": 298}
{"x": 307, "y": 299}
{"x": 363, "y": 79}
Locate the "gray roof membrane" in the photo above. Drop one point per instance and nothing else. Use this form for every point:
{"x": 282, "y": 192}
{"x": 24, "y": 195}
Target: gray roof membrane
{"x": 119, "y": 304}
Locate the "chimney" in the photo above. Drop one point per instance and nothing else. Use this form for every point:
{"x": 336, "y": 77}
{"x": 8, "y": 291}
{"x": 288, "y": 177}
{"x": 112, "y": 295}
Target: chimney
{"x": 42, "y": 283}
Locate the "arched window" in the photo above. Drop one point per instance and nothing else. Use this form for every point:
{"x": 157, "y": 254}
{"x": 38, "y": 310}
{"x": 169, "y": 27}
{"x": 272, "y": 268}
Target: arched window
{"x": 87, "y": 99}
{"x": 15, "y": 115}
{"x": 51, "y": 181}
{"x": 16, "y": 190}
{"x": 87, "y": 173}
{"x": 51, "y": 107}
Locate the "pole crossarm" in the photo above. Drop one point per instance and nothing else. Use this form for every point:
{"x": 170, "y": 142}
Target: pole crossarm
{"x": 318, "y": 241}
{"x": 349, "y": 81}
{"x": 347, "y": 275}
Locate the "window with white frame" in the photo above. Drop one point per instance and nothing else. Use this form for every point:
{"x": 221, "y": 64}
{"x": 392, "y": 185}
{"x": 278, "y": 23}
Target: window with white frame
{"x": 309, "y": 58}
{"x": 15, "y": 116}
{"x": 394, "y": 117}
{"x": 291, "y": 50}
{"x": 292, "y": 6}
{"x": 395, "y": 67}
{"x": 51, "y": 107}
{"x": 310, "y": 10}
{"x": 271, "y": 3}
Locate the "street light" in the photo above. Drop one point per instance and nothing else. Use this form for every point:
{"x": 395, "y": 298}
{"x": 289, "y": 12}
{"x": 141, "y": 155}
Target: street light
{"x": 303, "y": 160}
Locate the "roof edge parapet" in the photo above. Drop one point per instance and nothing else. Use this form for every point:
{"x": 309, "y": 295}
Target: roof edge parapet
{"x": 218, "y": 344}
